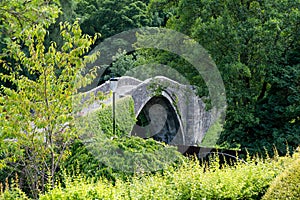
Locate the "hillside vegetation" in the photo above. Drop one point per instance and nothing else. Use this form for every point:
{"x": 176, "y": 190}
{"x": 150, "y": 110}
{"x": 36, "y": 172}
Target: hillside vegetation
{"x": 49, "y": 151}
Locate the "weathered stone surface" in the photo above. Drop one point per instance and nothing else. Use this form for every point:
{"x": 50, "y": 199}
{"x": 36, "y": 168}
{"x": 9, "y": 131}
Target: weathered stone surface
{"x": 175, "y": 114}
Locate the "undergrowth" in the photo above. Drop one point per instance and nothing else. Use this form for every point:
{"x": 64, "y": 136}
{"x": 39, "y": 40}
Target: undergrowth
{"x": 189, "y": 180}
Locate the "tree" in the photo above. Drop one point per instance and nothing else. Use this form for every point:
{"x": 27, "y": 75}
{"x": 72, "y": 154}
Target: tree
{"x": 111, "y": 17}
{"x": 255, "y": 45}
{"x": 36, "y": 120}
{"x": 18, "y": 15}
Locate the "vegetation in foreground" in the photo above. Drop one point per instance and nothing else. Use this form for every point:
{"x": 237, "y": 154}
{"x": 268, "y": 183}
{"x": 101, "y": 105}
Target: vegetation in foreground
{"x": 188, "y": 180}
{"x": 255, "y": 45}
{"x": 286, "y": 185}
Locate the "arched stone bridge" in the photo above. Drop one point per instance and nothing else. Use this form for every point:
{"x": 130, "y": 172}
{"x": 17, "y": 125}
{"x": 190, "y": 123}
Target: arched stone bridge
{"x": 166, "y": 110}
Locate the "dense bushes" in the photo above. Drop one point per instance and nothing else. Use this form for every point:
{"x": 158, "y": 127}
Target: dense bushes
{"x": 12, "y": 191}
{"x": 121, "y": 167}
{"x": 120, "y": 158}
{"x": 101, "y": 121}
{"x": 188, "y": 181}
{"x": 13, "y": 194}
{"x": 286, "y": 185}
{"x": 100, "y": 153}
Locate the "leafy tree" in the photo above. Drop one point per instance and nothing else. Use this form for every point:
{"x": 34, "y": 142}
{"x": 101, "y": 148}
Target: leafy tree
{"x": 67, "y": 14}
{"x": 36, "y": 121}
{"x": 255, "y": 45}
{"x": 160, "y": 11}
{"x": 111, "y": 17}
{"x": 18, "y": 15}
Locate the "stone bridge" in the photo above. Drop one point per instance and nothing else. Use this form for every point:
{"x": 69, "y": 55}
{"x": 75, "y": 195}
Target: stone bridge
{"x": 165, "y": 109}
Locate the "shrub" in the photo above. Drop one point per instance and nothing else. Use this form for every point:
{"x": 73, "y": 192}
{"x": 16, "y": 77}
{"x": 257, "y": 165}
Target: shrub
{"x": 120, "y": 152}
{"x": 100, "y": 121}
{"x": 80, "y": 189}
{"x": 81, "y": 161}
{"x": 286, "y": 185}
{"x": 120, "y": 158}
{"x": 13, "y": 194}
{"x": 187, "y": 181}
{"x": 12, "y": 190}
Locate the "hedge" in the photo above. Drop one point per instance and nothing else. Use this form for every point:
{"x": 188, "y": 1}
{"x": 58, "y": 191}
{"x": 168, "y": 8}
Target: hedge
{"x": 101, "y": 153}
{"x": 287, "y": 184}
{"x": 100, "y": 121}
{"x": 187, "y": 181}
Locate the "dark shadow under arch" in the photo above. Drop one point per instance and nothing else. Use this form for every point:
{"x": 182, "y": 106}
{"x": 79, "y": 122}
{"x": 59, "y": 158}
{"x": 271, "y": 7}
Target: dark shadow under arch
{"x": 158, "y": 120}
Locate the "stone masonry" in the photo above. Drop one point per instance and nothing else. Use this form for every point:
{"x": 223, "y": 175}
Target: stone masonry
{"x": 175, "y": 114}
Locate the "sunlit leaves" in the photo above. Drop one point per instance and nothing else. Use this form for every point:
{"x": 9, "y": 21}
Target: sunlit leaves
{"x": 37, "y": 113}
{"x": 18, "y": 15}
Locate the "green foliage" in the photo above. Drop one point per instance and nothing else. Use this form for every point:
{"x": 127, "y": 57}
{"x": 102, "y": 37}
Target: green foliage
{"x": 120, "y": 158}
{"x": 187, "y": 181}
{"x": 125, "y": 117}
{"x": 12, "y": 194}
{"x": 211, "y": 136}
{"x": 80, "y": 190}
{"x": 82, "y": 161}
{"x": 36, "y": 124}
{"x": 156, "y": 88}
{"x": 111, "y": 17}
{"x": 120, "y": 152}
{"x": 100, "y": 121}
{"x": 255, "y": 45}
{"x": 12, "y": 191}
{"x": 160, "y": 11}
{"x": 18, "y": 15}
{"x": 121, "y": 65}
{"x": 136, "y": 155}
{"x": 286, "y": 185}
{"x": 67, "y": 14}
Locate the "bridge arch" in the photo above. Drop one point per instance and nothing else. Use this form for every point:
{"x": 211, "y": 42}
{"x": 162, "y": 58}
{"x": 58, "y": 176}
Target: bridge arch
{"x": 157, "y": 118}
{"x": 188, "y": 110}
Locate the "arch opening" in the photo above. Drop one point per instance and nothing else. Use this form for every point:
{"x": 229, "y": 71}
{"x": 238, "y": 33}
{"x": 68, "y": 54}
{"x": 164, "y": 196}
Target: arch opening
{"x": 158, "y": 120}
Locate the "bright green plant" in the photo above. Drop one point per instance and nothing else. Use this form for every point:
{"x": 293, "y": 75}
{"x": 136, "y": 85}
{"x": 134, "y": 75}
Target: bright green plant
{"x": 125, "y": 117}
{"x": 11, "y": 191}
{"x": 18, "y": 15}
{"x": 188, "y": 181}
{"x": 286, "y": 185}
{"x": 12, "y": 194}
{"x": 36, "y": 124}
{"x": 120, "y": 152}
